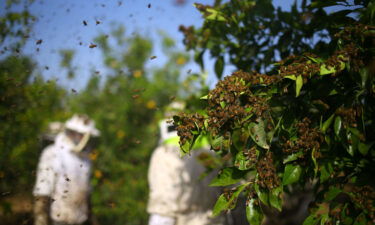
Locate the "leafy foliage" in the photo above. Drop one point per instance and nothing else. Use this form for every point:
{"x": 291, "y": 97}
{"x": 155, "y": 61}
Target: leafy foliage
{"x": 27, "y": 105}
{"x": 308, "y": 121}
{"x": 15, "y": 26}
{"x": 251, "y": 35}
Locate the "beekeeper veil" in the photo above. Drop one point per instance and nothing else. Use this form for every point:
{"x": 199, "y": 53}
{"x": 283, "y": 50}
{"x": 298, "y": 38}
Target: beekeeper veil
{"x": 168, "y": 132}
{"x": 80, "y": 129}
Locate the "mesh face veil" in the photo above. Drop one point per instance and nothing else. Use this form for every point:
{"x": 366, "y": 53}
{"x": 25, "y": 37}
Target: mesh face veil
{"x": 83, "y": 125}
{"x": 167, "y": 130}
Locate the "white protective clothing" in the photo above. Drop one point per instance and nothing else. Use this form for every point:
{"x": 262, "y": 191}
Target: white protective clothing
{"x": 64, "y": 176}
{"x": 176, "y": 190}
{"x": 156, "y": 219}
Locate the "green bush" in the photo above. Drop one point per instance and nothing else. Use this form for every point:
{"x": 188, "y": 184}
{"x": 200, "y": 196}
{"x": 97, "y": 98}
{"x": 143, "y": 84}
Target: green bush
{"x": 308, "y": 122}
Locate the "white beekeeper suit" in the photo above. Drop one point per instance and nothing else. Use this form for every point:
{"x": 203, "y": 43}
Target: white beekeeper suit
{"x": 177, "y": 195}
{"x": 63, "y": 175}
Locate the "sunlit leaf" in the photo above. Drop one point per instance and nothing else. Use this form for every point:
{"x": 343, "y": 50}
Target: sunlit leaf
{"x": 215, "y": 15}
{"x": 221, "y": 204}
{"x": 225, "y": 202}
{"x": 292, "y": 77}
{"x": 262, "y": 194}
{"x": 254, "y": 214}
{"x": 204, "y": 97}
{"x": 299, "y": 84}
{"x": 275, "y": 198}
{"x": 337, "y": 125}
{"x": 311, "y": 220}
{"x": 293, "y": 157}
{"x": 327, "y": 123}
{"x": 258, "y": 134}
{"x": 324, "y": 70}
{"x": 292, "y": 174}
{"x": 242, "y": 162}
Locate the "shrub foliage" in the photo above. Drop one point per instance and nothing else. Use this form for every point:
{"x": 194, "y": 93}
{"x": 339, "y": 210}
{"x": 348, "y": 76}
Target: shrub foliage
{"x": 308, "y": 122}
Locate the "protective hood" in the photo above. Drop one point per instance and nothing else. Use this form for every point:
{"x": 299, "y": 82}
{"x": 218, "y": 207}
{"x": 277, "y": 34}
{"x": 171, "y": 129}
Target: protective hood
{"x": 82, "y": 124}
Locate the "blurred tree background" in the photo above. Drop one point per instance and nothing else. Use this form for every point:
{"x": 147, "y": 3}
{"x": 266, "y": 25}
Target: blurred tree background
{"x": 126, "y": 100}
{"x": 126, "y": 104}
{"x": 126, "y": 107}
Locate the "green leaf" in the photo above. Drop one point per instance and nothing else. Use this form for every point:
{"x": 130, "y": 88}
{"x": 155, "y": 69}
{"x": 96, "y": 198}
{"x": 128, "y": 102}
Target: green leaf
{"x": 332, "y": 193}
{"x": 221, "y": 204}
{"x": 222, "y": 104}
{"x": 324, "y": 70}
{"x": 262, "y": 194}
{"x": 324, "y": 218}
{"x": 224, "y": 203}
{"x": 292, "y": 77}
{"x": 293, "y": 157}
{"x": 239, "y": 139}
{"x": 205, "y": 124}
{"x": 337, "y": 125}
{"x": 325, "y": 172}
{"x": 333, "y": 92}
{"x": 216, "y": 142}
{"x": 275, "y": 198}
{"x": 254, "y": 214}
{"x": 364, "y": 77}
{"x": 352, "y": 135}
{"x": 327, "y": 123}
{"x": 185, "y": 149}
{"x": 360, "y": 220}
{"x": 204, "y": 97}
{"x": 272, "y": 132}
{"x": 299, "y": 84}
{"x": 315, "y": 60}
{"x": 189, "y": 144}
{"x": 258, "y": 134}
{"x": 219, "y": 67}
{"x": 315, "y": 162}
{"x": 311, "y": 220}
{"x": 292, "y": 174}
{"x": 363, "y": 148}
{"x": 228, "y": 176}
{"x": 215, "y": 15}
{"x": 241, "y": 161}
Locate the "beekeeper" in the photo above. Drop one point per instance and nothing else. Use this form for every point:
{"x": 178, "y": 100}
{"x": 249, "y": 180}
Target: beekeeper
{"x": 177, "y": 194}
{"x": 62, "y": 186}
